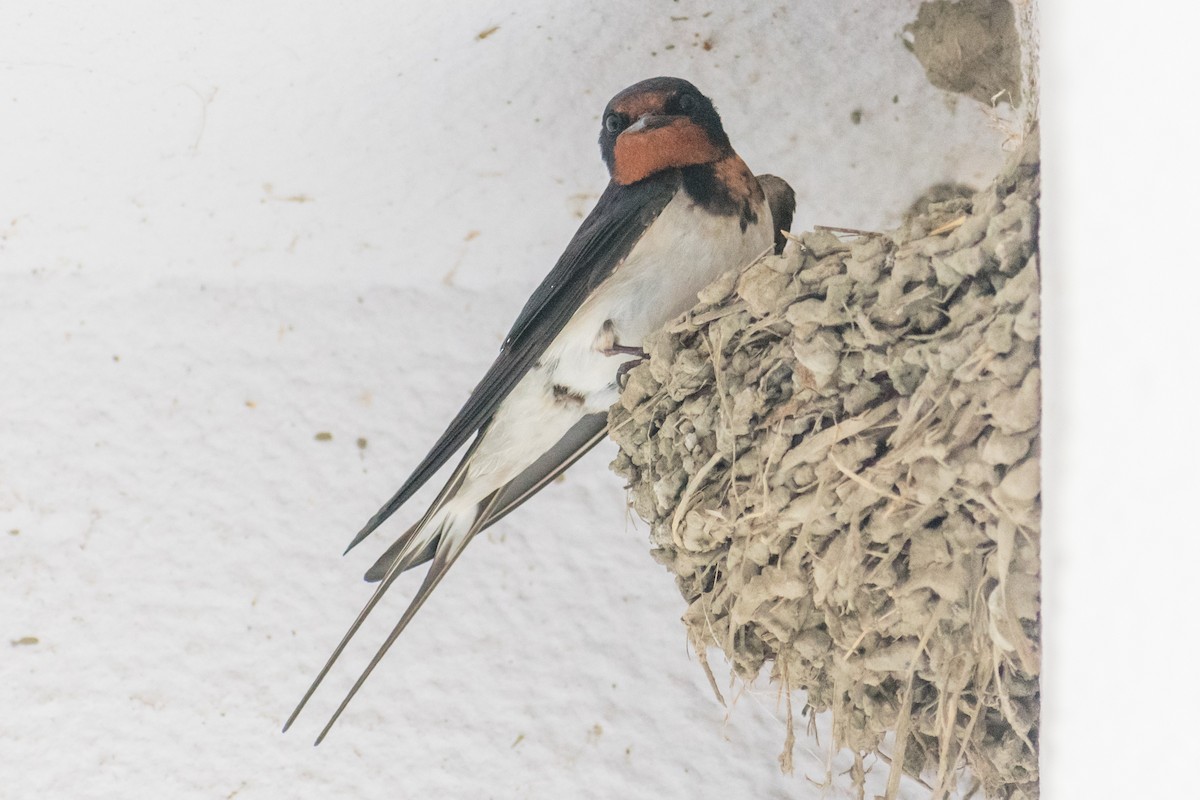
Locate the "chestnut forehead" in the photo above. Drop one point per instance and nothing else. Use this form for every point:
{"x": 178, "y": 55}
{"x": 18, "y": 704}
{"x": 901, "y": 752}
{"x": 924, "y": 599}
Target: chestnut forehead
{"x": 635, "y": 105}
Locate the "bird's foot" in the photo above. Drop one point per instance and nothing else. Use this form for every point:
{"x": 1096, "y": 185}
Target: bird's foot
{"x": 625, "y": 350}
{"x": 623, "y": 370}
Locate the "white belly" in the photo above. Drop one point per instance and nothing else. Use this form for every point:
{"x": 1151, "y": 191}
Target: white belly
{"x": 682, "y": 252}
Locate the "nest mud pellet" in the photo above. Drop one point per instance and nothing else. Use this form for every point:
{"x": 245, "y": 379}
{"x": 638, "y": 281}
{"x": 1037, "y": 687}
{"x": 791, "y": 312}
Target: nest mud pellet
{"x": 838, "y": 454}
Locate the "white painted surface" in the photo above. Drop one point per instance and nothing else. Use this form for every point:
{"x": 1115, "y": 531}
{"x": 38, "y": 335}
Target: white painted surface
{"x": 1120, "y": 543}
{"x": 226, "y": 227}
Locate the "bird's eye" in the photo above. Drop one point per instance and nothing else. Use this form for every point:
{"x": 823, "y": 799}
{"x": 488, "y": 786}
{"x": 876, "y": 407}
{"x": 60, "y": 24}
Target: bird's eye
{"x": 687, "y": 103}
{"x": 613, "y": 123}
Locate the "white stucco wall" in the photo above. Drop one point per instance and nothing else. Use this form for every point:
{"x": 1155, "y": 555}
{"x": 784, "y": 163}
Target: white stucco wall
{"x": 226, "y": 227}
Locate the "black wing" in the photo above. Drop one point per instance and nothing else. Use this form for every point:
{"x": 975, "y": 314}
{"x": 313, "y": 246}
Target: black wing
{"x": 582, "y": 437}
{"x": 620, "y": 217}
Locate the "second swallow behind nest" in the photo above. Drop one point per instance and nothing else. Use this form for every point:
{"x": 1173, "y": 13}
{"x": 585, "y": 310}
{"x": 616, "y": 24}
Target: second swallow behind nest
{"x": 680, "y": 209}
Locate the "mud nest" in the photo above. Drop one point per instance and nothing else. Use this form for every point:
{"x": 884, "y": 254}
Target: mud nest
{"x": 838, "y": 453}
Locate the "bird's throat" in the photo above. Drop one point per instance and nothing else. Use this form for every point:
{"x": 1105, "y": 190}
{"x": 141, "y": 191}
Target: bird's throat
{"x": 639, "y": 154}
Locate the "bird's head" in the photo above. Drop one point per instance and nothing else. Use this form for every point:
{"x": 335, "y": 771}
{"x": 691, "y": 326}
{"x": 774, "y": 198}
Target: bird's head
{"x": 658, "y": 124}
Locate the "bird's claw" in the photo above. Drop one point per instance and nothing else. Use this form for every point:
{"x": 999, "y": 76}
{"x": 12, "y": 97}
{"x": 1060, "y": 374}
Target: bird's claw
{"x": 623, "y": 370}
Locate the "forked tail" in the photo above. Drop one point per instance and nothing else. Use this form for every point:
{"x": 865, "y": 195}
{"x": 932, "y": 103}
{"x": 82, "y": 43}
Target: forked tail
{"x": 440, "y": 538}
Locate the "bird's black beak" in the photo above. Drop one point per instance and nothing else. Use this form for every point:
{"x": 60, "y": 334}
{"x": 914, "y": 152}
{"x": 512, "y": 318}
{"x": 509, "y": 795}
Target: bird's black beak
{"x": 648, "y": 122}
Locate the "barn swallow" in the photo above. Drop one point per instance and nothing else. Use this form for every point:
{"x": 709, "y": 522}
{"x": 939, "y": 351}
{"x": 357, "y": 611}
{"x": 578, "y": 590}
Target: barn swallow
{"x": 680, "y": 209}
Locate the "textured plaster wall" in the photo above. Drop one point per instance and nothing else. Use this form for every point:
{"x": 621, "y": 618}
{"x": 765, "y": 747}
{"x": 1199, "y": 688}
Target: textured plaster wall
{"x": 228, "y": 227}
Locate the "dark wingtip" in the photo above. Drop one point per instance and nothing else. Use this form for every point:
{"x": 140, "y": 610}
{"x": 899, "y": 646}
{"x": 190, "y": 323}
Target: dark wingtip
{"x": 358, "y": 538}
{"x": 366, "y": 531}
